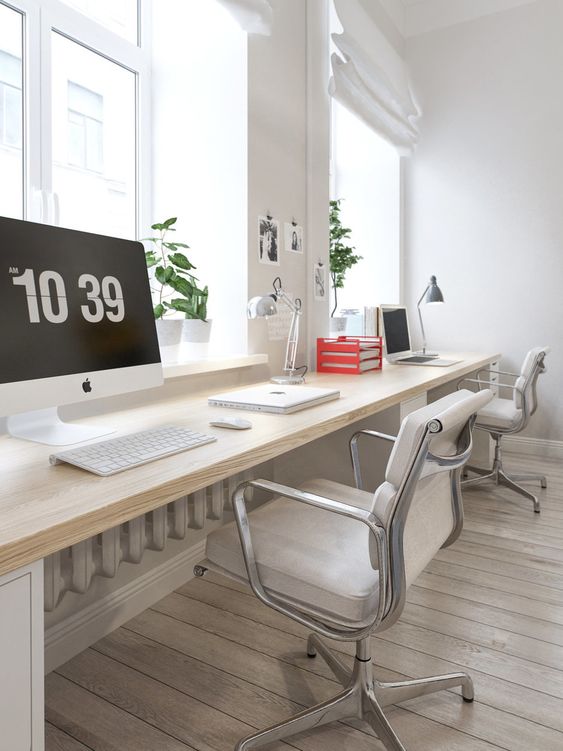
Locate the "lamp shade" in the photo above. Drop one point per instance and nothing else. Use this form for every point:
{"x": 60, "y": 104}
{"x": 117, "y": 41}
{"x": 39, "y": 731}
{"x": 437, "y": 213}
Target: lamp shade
{"x": 433, "y": 293}
{"x": 262, "y": 307}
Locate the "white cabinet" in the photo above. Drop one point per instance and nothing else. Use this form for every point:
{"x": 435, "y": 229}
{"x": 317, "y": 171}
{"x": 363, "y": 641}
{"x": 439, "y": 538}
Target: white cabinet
{"x": 21, "y": 659}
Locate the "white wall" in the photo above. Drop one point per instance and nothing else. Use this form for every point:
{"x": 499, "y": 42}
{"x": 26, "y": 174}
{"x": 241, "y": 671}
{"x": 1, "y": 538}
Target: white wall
{"x": 484, "y": 191}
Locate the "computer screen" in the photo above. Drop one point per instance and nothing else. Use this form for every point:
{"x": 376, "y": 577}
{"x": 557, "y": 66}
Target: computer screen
{"x": 396, "y": 330}
{"x": 77, "y": 317}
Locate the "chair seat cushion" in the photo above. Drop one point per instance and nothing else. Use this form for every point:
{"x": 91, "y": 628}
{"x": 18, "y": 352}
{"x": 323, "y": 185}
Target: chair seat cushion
{"x": 314, "y": 559}
{"x": 499, "y": 413}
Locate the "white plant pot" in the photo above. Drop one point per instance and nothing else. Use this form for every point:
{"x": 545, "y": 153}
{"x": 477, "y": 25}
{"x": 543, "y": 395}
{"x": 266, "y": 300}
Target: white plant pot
{"x": 169, "y": 331}
{"x": 338, "y": 324}
{"x": 195, "y": 339}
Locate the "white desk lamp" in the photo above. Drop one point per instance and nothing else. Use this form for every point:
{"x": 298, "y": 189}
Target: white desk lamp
{"x": 263, "y": 307}
{"x": 432, "y": 294}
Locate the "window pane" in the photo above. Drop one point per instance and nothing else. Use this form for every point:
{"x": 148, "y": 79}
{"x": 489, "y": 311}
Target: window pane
{"x": 85, "y": 101}
{"x": 119, "y": 16}
{"x": 94, "y": 116}
{"x": 11, "y": 113}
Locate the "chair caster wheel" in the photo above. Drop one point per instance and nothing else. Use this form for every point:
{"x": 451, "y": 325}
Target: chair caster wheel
{"x": 468, "y": 701}
{"x": 311, "y": 655}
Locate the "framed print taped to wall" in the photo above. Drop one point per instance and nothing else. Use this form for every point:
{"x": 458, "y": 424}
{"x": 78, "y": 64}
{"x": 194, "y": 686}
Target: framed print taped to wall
{"x": 268, "y": 240}
{"x": 293, "y": 237}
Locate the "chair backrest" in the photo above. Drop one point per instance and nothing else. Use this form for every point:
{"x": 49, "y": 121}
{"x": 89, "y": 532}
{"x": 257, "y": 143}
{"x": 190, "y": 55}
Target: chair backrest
{"x": 420, "y": 501}
{"x": 525, "y": 396}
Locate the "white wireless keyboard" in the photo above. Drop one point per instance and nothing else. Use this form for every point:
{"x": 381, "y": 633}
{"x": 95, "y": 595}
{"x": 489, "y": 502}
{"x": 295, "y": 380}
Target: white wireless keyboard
{"x": 117, "y": 454}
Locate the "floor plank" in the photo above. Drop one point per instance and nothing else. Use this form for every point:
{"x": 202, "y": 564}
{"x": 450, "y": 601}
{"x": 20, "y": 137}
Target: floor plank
{"x": 99, "y": 724}
{"x": 209, "y": 663}
{"x": 56, "y": 740}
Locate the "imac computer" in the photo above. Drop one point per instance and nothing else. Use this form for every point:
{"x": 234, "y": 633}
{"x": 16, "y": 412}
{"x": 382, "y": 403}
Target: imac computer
{"x": 77, "y": 324}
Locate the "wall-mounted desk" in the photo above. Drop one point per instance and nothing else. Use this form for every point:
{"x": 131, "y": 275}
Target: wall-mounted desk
{"x": 44, "y": 509}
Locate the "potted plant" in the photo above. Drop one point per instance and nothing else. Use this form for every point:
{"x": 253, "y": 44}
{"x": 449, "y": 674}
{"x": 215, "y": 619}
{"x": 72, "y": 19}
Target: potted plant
{"x": 341, "y": 259}
{"x": 180, "y": 305}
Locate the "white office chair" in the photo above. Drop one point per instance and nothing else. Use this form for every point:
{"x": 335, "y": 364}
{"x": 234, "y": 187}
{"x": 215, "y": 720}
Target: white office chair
{"x": 340, "y": 560}
{"x": 507, "y": 416}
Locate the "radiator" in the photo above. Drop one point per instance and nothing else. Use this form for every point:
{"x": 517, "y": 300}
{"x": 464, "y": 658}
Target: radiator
{"x": 73, "y": 569}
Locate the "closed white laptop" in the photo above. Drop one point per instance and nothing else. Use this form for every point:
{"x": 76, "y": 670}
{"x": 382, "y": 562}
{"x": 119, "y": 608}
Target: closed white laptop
{"x": 398, "y": 342}
{"x": 269, "y": 397}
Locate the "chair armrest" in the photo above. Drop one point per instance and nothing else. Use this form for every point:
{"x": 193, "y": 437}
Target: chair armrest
{"x": 327, "y": 504}
{"x": 354, "y": 453}
{"x": 498, "y": 372}
{"x": 481, "y": 382}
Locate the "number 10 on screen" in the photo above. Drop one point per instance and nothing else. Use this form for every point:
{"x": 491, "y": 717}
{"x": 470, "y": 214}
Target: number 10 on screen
{"x": 103, "y": 299}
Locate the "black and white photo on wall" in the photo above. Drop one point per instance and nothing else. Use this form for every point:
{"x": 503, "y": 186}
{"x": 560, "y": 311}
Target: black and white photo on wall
{"x": 293, "y": 237}
{"x": 268, "y": 240}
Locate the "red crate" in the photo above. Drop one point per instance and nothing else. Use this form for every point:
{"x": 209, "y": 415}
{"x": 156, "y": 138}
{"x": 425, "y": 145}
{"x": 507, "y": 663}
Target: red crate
{"x": 349, "y": 355}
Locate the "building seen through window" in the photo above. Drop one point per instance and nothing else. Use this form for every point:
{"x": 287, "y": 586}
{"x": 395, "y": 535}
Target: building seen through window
{"x": 85, "y": 128}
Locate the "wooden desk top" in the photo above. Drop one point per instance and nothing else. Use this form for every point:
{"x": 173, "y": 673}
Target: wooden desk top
{"x": 44, "y": 508}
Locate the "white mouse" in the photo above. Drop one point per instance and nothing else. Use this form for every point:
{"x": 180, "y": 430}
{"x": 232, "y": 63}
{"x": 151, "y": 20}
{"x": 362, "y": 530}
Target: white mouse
{"x": 235, "y": 423}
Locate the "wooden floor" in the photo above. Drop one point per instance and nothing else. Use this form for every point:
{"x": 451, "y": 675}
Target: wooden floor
{"x": 209, "y": 663}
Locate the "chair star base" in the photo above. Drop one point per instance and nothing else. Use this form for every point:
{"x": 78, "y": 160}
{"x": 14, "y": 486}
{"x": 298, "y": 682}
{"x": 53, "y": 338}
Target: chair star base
{"x": 497, "y": 475}
{"x": 363, "y": 698}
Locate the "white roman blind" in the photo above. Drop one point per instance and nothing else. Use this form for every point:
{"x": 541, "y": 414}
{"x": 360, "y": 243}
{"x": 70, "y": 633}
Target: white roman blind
{"x": 370, "y": 78}
{"x": 253, "y": 16}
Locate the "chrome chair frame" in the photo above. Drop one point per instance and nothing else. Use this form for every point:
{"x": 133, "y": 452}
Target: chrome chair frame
{"x": 363, "y": 697}
{"x": 496, "y": 473}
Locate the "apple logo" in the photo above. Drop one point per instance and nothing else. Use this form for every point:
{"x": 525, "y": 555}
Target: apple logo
{"x": 87, "y": 386}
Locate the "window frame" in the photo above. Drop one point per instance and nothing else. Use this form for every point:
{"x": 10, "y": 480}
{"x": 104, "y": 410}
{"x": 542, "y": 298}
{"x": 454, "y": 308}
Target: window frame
{"x": 40, "y": 19}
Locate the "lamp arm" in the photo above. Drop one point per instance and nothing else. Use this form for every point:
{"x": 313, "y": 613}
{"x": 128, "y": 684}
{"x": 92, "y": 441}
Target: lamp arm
{"x": 423, "y": 295}
{"x": 293, "y": 336}
{"x": 419, "y": 303}
{"x": 293, "y": 305}
{"x": 292, "y": 342}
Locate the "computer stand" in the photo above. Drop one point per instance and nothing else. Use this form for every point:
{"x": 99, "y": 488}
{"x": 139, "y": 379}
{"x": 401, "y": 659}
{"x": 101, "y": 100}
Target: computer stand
{"x": 425, "y": 353}
{"x": 45, "y": 426}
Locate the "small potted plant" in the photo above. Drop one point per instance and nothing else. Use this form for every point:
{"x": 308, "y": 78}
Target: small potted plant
{"x": 180, "y": 304}
{"x": 342, "y": 258}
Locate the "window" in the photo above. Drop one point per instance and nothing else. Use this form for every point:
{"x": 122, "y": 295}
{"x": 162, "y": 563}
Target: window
{"x": 366, "y": 175}
{"x": 11, "y": 113}
{"x": 94, "y": 140}
{"x": 70, "y": 115}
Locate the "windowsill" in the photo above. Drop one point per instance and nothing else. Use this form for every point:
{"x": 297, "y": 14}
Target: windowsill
{"x": 212, "y": 365}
